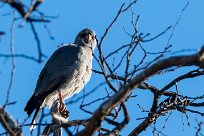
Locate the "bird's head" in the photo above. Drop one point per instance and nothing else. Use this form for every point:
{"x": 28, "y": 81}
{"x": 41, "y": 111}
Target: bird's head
{"x": 86, "y": 37}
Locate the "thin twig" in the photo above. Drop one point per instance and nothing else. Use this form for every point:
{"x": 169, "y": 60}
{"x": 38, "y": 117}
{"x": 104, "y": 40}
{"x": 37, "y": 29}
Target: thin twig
{"x": 40, "y": 54}
{"x": 13, "y": 62}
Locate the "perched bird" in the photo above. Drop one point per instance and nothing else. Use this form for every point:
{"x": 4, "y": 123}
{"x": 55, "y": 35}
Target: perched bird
{"x": 66, "y": 73}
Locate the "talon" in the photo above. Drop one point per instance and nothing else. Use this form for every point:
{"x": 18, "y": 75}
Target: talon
{"x": 65, "y": 114}
{"x": 63, "y": 111}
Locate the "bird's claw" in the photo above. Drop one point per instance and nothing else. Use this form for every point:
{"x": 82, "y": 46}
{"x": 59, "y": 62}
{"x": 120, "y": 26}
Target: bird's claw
{"x": 63, "y": 111}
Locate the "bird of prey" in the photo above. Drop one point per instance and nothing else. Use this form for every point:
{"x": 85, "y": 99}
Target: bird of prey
{"x": 66, "y": 73}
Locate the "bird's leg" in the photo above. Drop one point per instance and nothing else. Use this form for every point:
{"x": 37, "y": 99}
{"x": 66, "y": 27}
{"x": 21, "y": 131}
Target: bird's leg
{"x": 62, "y": 103}
{"x": 62, "y": 108}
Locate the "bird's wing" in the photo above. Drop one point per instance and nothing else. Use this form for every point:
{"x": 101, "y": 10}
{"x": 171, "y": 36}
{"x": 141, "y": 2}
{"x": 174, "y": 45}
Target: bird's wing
{"x": 60, "y": 67}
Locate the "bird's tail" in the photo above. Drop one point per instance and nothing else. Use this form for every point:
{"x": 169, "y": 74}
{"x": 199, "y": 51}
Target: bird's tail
{"x": 34, "y": 103}
{"x": 35, "y": 118}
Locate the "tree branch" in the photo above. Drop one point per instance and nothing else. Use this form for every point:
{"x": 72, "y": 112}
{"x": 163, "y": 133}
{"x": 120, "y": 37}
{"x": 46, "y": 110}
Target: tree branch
{"x": 106, "y": 107}
{"x": 9, "y": 123}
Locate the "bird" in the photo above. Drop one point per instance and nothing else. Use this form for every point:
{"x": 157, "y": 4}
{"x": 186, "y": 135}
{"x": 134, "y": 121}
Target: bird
{"x": 65, "y": 73}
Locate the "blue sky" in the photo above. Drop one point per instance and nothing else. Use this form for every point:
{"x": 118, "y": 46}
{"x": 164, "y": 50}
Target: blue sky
{"x": 72, "y": 16}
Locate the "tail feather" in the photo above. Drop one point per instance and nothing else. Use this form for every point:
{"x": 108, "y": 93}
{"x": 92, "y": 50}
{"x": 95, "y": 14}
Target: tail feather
{"x": 34, "y": 103}
{"x": 35, "y": 118}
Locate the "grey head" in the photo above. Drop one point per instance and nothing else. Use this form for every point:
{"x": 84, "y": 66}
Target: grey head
{"x": 86, "y": 37}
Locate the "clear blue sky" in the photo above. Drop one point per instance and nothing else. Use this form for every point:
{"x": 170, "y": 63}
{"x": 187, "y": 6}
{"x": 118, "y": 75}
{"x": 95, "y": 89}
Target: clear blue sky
{"x": 155, "y": 16}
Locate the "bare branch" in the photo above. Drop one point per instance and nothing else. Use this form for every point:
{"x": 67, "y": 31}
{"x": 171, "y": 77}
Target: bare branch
{"x": 190, "y": 74}
{"x": 9, "y": 124}
{"x": 2, "y": 33}
{"x": 13, "y": 62}
{"x": 33, "y": 7}
{"x": 19, "y": 56}
{"x": 40, "y": 54}
{"x": 200, "y": 125}
{"x": 177, "y": 22}
{"x": 20, "y": 7}
{"x": 110, "y": 104}
{"x": 155, "y": 37}
{"x": 111, "y": 24}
